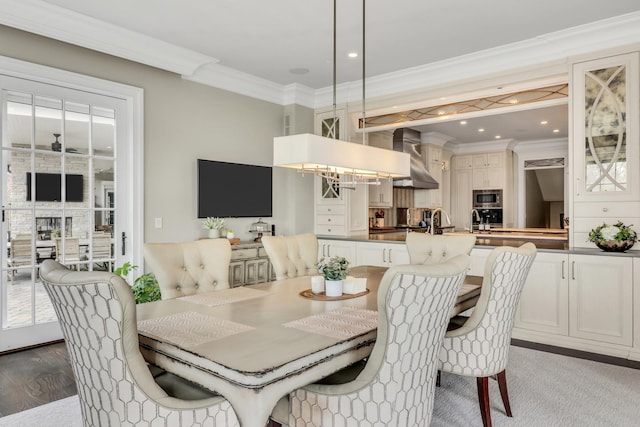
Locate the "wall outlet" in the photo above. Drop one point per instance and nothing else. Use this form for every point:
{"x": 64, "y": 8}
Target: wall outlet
{"x": 158, "y": 222}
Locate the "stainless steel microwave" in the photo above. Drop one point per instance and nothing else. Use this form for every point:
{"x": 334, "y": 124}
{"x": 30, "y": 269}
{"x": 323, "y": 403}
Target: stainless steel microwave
{"x": 484, "y": 199}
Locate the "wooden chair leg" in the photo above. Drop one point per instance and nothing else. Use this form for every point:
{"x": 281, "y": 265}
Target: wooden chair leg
{"x": 502, "y": 383}
{"x": 483, "y": 398}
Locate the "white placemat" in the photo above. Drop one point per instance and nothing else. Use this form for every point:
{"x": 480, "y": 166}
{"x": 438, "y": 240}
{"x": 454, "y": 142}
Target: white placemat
{"x": 226, "y": 296}
{"x": 190, "y": 329}
{"x": 343, "y": 323}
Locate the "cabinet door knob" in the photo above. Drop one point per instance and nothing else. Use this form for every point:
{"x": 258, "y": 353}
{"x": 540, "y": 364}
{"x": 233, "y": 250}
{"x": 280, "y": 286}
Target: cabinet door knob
{"x": 605, "y": 209}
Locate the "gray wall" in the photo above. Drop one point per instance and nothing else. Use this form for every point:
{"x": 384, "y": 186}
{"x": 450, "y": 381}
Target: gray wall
{"x": 185, "y": 121}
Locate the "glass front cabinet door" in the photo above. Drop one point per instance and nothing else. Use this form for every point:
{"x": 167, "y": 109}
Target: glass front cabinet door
{"x": 606, "y": 152}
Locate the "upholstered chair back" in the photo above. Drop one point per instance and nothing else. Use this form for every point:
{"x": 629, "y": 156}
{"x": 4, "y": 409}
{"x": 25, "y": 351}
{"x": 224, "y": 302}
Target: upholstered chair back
{"x": 480, "y": 348}
{"x": 97, "y": 314}
{"x": 432, "y": 249}
{"x": 396, "y": 387}
{"x": 189, "y": 268}
{"x": 292, "y": 256}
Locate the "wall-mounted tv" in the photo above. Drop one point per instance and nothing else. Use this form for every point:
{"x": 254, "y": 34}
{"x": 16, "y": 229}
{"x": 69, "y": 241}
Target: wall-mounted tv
{"x": 49, "y": 187}
{"x": 233, "y": 190}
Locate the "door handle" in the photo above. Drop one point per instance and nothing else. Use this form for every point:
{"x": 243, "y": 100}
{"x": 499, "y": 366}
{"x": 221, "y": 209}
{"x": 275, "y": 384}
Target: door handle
{"x": 124, "y": 243}
{"x": 390, "y": 256}
{"x": 384, "y": 253}
{"x": 329, "y": 250}
{"x": 563, "y": 269}
{"x": 573, "y": 270}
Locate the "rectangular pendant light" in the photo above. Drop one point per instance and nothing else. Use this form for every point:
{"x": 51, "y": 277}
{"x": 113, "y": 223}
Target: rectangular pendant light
{"x": 318, "y": 154}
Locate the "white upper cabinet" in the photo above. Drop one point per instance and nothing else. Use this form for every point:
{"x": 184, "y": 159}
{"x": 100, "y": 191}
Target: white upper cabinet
{"x": 488, "y": 170}
{"x": 606, "y": 154}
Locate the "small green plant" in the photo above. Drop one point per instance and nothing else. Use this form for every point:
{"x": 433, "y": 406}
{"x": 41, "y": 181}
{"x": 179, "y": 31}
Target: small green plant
{"x": 617, "y": 232}
{"x": 145, "y": 287}
{"x": 334, "y": 268}
{"x": 213, "y": 223}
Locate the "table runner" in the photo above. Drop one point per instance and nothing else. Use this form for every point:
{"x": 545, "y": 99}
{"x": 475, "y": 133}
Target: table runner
{"x": 343, "y": 323}
{"x": 190, "y": 329}
{"x": 226, "y": 296}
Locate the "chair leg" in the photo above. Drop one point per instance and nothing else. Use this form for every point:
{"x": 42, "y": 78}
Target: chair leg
{"x": 483, "y": 398}
{"x": 502, "y": 383}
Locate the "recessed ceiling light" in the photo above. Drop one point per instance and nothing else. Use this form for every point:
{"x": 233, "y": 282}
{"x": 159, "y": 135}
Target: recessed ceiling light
{"x": 463, "y": 122}
{"x": 544, "y": 122}
{"x": 498, "y": 137}
{"x": 299, "y": 71}
{"x": 556, "y": 131}
{"x": 481, "y": 130}
{"x": 353, "y": 54}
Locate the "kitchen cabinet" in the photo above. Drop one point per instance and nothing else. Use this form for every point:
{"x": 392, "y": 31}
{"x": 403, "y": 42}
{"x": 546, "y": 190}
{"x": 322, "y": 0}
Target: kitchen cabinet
{"x": 433, "y": 163}
{"x": 488, "y": 171}
{"x": 634, "y": 354}
{"x": 481, "y": 171}
{"x": 601, "y": 298}
{"x": 606, "y": 155}
{"x": 578, "y": 301}
{"x": 544, "y": 303}
{"x": 461, "y": 197}
{"x": 343, "y": 248}
{"x": 381, "y": 194}
{"x": 381, "y": 254}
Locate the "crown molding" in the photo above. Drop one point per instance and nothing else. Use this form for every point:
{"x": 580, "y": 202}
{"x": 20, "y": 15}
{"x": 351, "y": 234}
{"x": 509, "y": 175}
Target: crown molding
{"x": 480, "y": 147}
{"x": 546, "y": 145}
{"x": 52, "y": 21}
{"x": 42, "y": 18}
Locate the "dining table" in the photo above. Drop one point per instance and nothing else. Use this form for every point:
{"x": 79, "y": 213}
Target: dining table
{"x": 255, "y": 344}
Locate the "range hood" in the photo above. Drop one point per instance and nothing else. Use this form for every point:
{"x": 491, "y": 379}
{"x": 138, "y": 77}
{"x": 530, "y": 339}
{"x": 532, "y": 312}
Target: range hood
{"x": 408, "y": 141}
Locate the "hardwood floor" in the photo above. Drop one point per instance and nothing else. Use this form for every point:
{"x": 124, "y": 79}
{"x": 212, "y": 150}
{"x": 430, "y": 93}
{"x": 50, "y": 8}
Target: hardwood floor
{"x": 40, "y": 375}
{"x": 35, "y": 376}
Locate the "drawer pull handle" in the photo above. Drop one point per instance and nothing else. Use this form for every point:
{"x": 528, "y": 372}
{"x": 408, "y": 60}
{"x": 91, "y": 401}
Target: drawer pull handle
{"x": 384, "y": 253}
{"x": 563, "y": 268}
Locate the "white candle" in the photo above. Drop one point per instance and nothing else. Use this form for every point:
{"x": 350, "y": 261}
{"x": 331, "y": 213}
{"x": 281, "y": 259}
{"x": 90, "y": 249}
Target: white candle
{"x": 317, "y": 284}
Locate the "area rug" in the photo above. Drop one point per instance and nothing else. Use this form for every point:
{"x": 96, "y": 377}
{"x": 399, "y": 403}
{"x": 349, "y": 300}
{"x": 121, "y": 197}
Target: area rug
{"x": 546, "y": 390}
{"x": 61, "y": 413}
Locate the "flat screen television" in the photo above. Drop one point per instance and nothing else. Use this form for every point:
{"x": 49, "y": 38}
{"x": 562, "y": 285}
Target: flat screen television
{"x": 49, "y": 187}
{"x": 233, "y": 190}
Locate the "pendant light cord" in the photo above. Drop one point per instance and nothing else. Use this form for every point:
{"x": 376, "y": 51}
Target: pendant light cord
{"x": 335, "y": 136}
{"x": 363, "y": 74}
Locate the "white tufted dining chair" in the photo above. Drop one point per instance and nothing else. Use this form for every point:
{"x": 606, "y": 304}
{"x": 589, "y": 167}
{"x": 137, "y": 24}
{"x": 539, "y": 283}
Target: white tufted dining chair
{"x": 431, "y": 249}
{"x": 97, "y": 313}
{"x": 292, "y": 256}
{"x": 188, "y": 268}
{"x": 396, "y": 386}
{"x": 480, "y": 347}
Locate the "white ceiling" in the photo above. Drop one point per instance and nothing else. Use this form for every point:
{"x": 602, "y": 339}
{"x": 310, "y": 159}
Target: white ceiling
{"x": 267, "y": 39}
{"x": 251, "y": 41}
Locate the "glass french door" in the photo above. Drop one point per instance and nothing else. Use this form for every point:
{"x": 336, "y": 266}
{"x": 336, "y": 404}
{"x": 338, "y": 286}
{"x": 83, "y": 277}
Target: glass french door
{"x": 61, "y": 196}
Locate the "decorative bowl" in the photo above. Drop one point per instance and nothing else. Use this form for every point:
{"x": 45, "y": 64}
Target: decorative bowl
{"x": 614, "y": 245}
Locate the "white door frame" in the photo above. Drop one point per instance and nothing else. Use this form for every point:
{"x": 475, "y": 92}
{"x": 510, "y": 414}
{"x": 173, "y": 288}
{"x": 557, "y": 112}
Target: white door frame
{"x": 133, "y": 137}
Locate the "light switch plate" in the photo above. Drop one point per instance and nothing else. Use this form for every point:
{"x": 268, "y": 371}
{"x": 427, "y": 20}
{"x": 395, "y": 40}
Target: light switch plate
{"x": 158, "y": 222}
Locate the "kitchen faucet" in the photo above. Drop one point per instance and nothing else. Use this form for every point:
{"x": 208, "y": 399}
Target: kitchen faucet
{"x": 433, "y": 217}
{"x": 474, "y": 211}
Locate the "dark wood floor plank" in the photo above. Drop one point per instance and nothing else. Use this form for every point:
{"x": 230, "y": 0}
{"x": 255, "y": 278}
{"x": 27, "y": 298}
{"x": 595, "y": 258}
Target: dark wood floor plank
{"x": 33, "y": 377}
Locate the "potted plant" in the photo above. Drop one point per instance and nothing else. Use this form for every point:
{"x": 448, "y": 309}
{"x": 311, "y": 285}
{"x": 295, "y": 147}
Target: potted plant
{"x": 613, "y": 238}
{"x": 334, "y": 271}
{"x": 213, "y": 224}
{"x": 145, "y": 287}
{"x": 230, "y": 233}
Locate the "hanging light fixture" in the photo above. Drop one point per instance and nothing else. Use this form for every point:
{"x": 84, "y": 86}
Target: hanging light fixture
{"x": 331, "y": 158}
{"x": 56, "y": 145}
